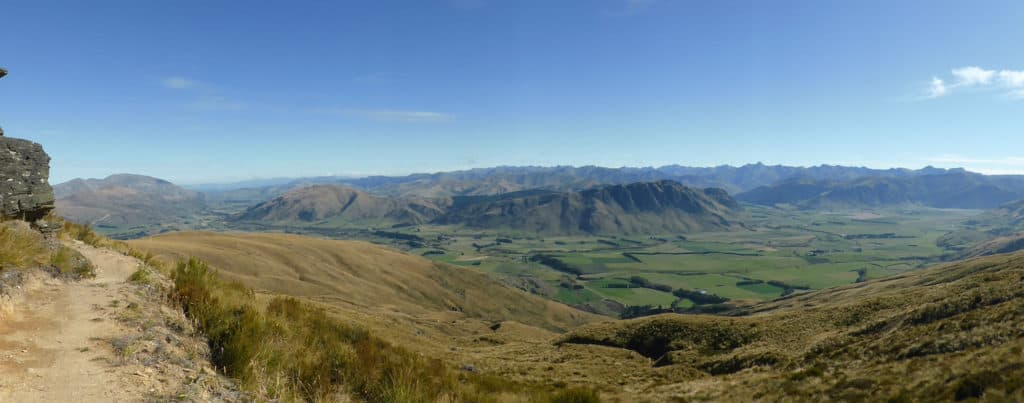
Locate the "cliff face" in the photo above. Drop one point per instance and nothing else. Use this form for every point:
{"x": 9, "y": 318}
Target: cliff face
{"x": 25, "y": 192}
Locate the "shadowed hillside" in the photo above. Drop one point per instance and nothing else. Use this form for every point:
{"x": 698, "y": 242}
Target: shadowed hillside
{"x": 949, "y": 332}
{"x": 646, "y": 207}
{"x": 1003, "y": 244}
{"x": 636, "y": 208}
{"x": 952, "y": 189}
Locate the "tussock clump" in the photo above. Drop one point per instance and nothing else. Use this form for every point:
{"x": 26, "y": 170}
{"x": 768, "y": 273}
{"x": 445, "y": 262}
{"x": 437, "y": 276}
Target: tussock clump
{"x": 69, "y": 263}
{"x": 84, "y": 233}
{"x": 21, "y": 247}
{"x": 292, "y": 350}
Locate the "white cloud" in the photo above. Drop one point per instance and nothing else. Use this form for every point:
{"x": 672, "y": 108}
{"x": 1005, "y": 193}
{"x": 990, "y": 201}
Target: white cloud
{"x": 216, "y": 103}
{"x": 938, "y": 88}
{"x": 1010, "y": 83}
{"x": 392, "y": 115}
{"x": 177, "y": 83}
{"x": 973, "y": 75}
{"x": 1012, "y": 78}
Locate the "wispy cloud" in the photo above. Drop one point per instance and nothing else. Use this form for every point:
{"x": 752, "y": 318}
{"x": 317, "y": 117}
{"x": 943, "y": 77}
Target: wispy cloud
{"x": 178, "y": 83}
{"x": 392, "y": 115}
{"x": 1009, "y": 83}
{"x": 938, "y": 88}
{"x": 212, "y": 103}
{"x": 207, "y": 97}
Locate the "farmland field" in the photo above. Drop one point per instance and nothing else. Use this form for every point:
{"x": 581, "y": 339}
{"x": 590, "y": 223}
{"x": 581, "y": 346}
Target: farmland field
{"x": 781, "y": 251}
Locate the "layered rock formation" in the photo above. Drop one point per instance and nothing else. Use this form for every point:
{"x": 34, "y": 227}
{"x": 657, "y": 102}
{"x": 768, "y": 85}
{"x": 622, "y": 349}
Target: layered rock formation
{"x": 25, "y": 192}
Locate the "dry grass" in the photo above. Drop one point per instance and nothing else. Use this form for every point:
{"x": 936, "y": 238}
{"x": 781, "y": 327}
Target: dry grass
{"x": 949, "y": 332}
{"x": 361, "y": 276}
{"x": 292, "y": 350}
{"x": 85, "y": 234}
{"x": 21, "y": 247}
{"x": 70, "y": 263}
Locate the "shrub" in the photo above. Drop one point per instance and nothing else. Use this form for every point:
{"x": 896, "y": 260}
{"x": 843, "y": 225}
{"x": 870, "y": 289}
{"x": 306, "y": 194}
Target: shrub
{"x": 142, "y": 276}
{"x": 636, "y": 311}
{"x": 699, "y": 298}
{"x": 555, "y": 263}
{"x": 20, "y": 248}
{"x": 641, "y": 282}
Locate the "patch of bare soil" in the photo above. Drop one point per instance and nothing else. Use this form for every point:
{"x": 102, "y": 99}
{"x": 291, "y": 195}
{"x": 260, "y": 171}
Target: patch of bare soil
{"x": 103, "y": 339}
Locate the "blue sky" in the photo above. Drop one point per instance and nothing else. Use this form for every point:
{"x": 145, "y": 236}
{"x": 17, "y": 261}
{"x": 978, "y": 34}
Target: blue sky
{"x": 210, "y": 91}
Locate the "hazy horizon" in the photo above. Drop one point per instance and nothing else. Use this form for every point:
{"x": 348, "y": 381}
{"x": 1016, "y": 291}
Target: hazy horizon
{"x": 202, "y": 92}
{"x": 285, "y": 179}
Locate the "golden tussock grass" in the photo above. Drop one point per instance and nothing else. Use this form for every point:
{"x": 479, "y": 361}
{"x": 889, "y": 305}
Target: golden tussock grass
{"x": 361, "y": 276}
{"x": 288, "y": 349}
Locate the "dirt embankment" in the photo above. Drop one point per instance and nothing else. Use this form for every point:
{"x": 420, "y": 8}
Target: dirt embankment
{"x": 102, "y": 339}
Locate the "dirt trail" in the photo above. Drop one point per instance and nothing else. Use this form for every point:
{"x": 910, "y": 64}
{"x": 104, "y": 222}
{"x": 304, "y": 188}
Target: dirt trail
{"x": 55, "y": 345}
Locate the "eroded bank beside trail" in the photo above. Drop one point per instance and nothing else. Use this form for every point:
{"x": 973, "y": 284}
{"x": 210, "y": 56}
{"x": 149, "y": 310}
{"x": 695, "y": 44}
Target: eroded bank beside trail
{"x": 108, "y": 338}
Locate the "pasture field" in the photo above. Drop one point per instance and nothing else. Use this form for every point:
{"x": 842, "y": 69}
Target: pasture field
{"x": 780, "y": 251}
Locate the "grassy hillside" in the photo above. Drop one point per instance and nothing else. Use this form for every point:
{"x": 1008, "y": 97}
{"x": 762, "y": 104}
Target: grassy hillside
{"x": 127, "y": 205}
{"x": 1003, "y": 244}
{"x": 361, "y": 276}
{"x": 637, "y": 208}
{"x": 949, "y": 332}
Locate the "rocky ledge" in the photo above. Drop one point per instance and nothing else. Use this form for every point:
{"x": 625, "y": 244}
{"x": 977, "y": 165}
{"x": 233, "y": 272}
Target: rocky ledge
{"x": 25, "y": 192}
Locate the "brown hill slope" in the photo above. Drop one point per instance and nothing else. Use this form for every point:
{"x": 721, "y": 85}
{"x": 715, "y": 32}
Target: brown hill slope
{"x": 119, "y": 202}
{"x": 339, "y": 204}
{"x": 1004, "y": 244}
{"x": 950, "y": 332}
{"x": 638, "y": 208}
{"x": 645, "y": 207}
{"x": 361, "y": 277}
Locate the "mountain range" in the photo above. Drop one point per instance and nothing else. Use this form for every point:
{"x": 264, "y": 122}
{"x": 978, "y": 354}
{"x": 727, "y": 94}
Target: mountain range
{"x": 645, "y": 207}
{"x": 953, "y": 189}
{"x": 503, "y": 179}
{"x": 120, "y": 201}
{"x": 531, "y": 199}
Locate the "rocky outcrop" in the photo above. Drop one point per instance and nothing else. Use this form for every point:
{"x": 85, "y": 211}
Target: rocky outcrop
{"x": 25, "y": 192}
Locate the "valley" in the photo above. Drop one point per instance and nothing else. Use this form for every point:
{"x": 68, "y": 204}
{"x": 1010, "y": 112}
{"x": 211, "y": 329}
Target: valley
{"x": 620, "y": 250}
{"x": 780, "y": 251}
{"x": 476, "y": 201}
